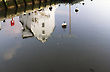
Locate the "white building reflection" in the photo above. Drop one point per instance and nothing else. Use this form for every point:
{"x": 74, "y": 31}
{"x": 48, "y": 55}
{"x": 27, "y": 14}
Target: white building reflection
{"x": 39, "y": 23}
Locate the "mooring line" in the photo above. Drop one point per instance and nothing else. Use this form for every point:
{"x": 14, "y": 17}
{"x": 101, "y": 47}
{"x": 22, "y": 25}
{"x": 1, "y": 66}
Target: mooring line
{"x": 16, "y": 5}
{"x": 39, "y": 4}
{"x": 25, "y": 5}
{"x": 33, "y": 3}
{"x": 4, "y": 3}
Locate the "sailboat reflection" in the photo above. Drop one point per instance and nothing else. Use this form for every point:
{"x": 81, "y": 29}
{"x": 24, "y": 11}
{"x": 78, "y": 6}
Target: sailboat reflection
{"x": 39, "y": 23}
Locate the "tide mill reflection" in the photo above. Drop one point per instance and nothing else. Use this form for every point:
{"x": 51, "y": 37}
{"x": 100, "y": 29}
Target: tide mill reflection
{"x": 39, "y": 23}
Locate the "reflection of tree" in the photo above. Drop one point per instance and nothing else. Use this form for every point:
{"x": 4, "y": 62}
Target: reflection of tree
{"x": 14, "y": 6}
{"x": 69, "y": 1}
{"x": 39, "y": 23}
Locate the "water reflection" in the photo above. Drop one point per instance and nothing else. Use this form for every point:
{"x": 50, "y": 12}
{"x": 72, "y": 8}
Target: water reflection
{"x": 39, "y": 23}
{"x": 89, "y": 52}
{"x": 10, "y": 52}
{"x": 0, "y": 25}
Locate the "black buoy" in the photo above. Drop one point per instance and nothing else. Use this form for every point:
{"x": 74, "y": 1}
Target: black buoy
{"x": 76, "y": 10}
{"x": 24, "y": 14}
{"x": 35, "y": 11}
{"x": 50, "y": 8}
{"x": 4, "y": 20}
{"x": 29, "y": 13}
{"x": 64, "y": 25}
{"x": 83, "y": 3}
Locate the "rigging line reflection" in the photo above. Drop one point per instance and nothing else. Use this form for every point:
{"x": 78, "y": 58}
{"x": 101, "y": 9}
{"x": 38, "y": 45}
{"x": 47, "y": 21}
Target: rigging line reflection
{"x": 69, "y": 19}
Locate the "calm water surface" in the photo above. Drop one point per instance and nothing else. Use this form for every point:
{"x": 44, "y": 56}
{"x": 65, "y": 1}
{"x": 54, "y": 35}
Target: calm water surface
{"x": 44, "y": 46}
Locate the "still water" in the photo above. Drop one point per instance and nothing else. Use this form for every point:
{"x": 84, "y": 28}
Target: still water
{"x": 42, "y": 45}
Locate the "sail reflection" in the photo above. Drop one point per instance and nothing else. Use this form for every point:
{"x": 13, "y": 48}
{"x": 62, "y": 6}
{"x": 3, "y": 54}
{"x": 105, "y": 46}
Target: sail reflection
{"x": 39, "y": 23}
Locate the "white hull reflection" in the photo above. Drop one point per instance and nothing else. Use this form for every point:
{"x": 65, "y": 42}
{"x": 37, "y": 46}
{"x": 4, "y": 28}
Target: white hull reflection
{"x": 39, "y": 23}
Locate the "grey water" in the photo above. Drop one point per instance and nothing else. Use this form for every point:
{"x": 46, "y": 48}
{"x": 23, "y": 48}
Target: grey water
{"x": 38, "y": 42}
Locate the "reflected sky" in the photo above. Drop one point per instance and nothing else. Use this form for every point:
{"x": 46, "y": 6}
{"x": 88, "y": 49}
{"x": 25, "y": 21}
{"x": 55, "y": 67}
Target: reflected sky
{"x": 83, "y": 46}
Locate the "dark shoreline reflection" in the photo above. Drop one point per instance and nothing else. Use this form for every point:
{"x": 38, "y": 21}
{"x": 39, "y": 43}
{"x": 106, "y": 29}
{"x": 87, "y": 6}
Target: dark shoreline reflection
{"x": 26, "y": 6}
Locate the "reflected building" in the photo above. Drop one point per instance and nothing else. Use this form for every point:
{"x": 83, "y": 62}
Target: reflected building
{"x": 39, "y": 23}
